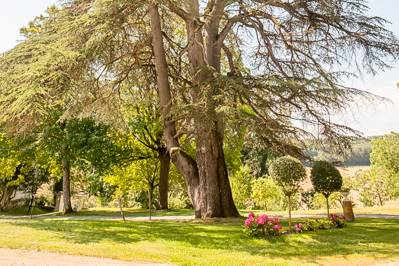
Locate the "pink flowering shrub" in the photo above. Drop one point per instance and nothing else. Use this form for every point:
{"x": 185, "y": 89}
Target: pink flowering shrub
{"x": 298, "y": 228}
{"x": 262, "y": 225}
{"x": 338, "y": 220}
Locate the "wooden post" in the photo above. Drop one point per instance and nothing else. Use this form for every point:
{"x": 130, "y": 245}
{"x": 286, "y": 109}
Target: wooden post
{"x": 348, "y": 210}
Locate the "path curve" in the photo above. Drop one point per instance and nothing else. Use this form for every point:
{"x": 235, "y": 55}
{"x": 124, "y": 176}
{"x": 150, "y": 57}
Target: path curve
{"x": 14, "y": 257}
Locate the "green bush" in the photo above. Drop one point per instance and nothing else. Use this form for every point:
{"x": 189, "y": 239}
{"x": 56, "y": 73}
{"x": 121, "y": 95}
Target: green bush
{"x": 319, "y": 201}
{"x": 317, "y": 224}
{"x": 179, "y": 200}
{"x": 241, "y": 186}
{"x": 267, "y": 195}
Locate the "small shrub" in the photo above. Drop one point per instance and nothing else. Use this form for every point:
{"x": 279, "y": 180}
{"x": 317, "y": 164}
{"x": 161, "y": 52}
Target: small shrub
{"x": 298, "y": 228}
{"x": 338, "y": 220}
{"x": 317, "y": 224}
{"x": 334, "y": 221}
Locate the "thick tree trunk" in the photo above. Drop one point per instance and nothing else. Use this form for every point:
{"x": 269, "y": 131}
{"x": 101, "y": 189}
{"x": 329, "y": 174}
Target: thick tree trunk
{"x": 6, "y": 196}
{"x": 164, "y": 160}
{"x": 66, "y": 185}
{"x": 204, "y": 55}
{"x": 8, "y": 192}
{"x": 207, "y": 177}
{"x": 216, "y": 197}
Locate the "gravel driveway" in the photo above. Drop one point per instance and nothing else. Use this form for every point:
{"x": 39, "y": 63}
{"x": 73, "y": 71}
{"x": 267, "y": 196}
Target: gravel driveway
{"x": 11, "y": 257}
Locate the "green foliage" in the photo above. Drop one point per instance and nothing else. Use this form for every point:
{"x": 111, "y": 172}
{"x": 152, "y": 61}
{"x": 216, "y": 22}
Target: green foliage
{"x": 385, "y": 152}
{"x": 385, "y": 163}
{"x": 79, "y": 140}
{"x": 325, "y": 178}
{"x": 178, "y": 197}
{"x": 135, "y": 180}
{"x": 288, "y": 172}
{"x": 241, "y": 186}
{"x": 259, "y": 159}
{"x": 375, "y": 187}
{"x": 358, "y": 154}
{"x": 267, "y": 195}
{"x": 319, "y": 201}
{"x": 318, "y": 224}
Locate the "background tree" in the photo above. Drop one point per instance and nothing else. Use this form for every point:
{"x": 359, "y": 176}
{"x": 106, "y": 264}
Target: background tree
{"x": 375, "y": 186}
{"x": 73, "y": 142}
{"x": 137, "y": 177}
{"x": 326, "y": 179}
{"x": 385, "y": 160}
{"x": 288, "y": 172}
{"x": 145, "y": 125}
{"x": 267, "y": 195}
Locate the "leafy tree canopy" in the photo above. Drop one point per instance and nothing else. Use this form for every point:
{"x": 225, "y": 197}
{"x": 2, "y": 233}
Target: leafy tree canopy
{"x": 325, "y": 177}
{"x": 288, "y": 172}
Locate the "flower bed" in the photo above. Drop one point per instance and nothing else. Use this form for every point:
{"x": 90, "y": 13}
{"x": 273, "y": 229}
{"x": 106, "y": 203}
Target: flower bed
{"x": 264, "y": 226}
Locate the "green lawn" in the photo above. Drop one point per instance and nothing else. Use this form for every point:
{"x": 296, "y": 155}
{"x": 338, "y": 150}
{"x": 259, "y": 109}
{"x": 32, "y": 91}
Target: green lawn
{"x": 205, "y": 243}
{"x": 130, "y": 212}
{"x": 23, "y": 211}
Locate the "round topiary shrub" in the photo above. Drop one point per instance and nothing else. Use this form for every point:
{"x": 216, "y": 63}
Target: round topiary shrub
{"x": 326, "y": 179}
{"x": 288, "y": 172}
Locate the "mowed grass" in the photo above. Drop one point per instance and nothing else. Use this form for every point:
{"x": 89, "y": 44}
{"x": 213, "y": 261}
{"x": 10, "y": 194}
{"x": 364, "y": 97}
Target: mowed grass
{"x": 23, "y": 211}
{"x": 392, "y": 209}
{"x": 220, "y": 242}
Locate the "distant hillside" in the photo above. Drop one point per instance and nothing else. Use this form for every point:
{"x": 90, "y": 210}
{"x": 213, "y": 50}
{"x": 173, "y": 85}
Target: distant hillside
{"x": 359, "y": 155}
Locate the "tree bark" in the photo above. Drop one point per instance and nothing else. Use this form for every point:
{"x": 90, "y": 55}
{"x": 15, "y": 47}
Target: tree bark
{"x": 164, "y": 160}
{"x": 204, "y": 55}
{"x": 66, "y": 185}
{"x": 184, "y": 163}
{"x": 289, "y": 213}
{"x": 328, "y": 205}
{"x": 6, "y": 197}
{"x": 9, "y": 191}
{"x": 206, "y": 177}
{"x": 328, "y": 208}
{"x": 150, "y": 193}
{"x": 121, "y": 208}
{"x": 31, "y": 204}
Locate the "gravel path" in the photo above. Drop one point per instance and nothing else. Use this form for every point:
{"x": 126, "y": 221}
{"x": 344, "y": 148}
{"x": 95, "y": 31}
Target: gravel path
{"x": 11, "y": 257}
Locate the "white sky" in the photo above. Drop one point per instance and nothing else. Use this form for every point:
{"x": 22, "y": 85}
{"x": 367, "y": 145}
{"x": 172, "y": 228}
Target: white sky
{"x": 370, "y": 118}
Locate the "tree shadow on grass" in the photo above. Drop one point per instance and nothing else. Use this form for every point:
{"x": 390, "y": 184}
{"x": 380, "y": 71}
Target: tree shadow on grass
{"x": 366, "y": 236}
